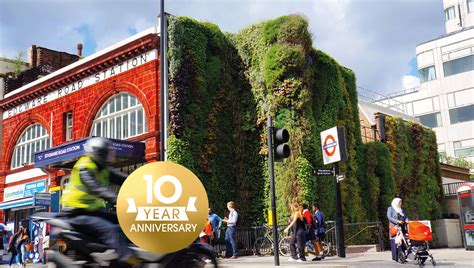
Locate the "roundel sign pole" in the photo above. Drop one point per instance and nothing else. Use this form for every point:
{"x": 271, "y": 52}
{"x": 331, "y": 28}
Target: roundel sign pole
{"x": 333, "y": 145}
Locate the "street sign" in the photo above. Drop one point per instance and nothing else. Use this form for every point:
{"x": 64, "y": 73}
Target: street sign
{"x": 42, "y": 199}
{"x": 340, "y": 177}
{"x": 324, "y": 172}
{"x": 333, "y": 145}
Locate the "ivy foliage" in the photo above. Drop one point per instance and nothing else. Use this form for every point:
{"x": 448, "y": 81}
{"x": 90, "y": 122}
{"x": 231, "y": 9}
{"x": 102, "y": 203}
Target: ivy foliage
{"x": 306, "y": 91}
{"x": 213, "y": 118}
{"x": 223, "y": 86}
{"x": 415, "y": 169}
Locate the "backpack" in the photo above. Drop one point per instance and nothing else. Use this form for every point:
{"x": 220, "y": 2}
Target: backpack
{"x": 239, "y": 221}
{"x": 318, "y": 224}
{"x": 308, "y": 225}
{"x": 323, "y": 222}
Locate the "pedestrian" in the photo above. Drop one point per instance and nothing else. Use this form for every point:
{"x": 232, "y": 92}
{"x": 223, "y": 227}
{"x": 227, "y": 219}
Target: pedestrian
{"x": 320, "y": 224}
{"x": 310, "y": 227}
{"x": 216, "y": 223}
{"x": 206, "y": 234}
{"x": 396, "y": 219}
{"x": 12, "y": 247}
{"x": 231, "y": 231}
{"x": 298, "y": 236}
{"x": 45, "y": 246}
{"x": 23, "y": 241}
{"x": 3, "y": 233}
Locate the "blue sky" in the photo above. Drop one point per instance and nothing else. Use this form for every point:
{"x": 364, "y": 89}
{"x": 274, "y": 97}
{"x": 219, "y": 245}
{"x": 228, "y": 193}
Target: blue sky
{"x": 375, "y": 38}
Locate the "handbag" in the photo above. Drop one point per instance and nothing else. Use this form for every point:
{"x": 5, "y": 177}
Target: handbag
{"x": 393, "y": 230}
{"x": 29, "y": 247}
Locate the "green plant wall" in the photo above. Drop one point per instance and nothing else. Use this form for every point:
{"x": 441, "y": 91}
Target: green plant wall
{"x": 306, "y": 91}
{"x": 223, "y": 86}
{"x": 415, "y": 168}
{"x": 213, "y": 119}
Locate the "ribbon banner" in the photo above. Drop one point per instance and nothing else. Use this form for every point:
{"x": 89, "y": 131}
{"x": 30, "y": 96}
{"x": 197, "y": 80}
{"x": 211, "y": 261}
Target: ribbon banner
{"x": 161, "y": 213}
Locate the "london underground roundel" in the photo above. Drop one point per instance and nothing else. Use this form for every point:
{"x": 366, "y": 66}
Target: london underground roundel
{"x": 330, "y": 146}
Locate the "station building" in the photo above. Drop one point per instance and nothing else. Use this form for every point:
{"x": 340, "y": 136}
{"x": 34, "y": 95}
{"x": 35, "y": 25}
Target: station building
{"x": 113, "y": 93}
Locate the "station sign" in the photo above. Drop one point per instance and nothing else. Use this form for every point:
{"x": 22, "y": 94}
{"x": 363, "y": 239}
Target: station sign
{"x": 333, "y": 144}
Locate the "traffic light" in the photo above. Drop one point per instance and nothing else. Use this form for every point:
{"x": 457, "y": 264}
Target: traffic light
{"x": 280, "y": 138}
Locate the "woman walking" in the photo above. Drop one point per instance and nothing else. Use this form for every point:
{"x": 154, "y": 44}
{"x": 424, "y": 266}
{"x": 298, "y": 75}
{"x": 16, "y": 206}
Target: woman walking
{"x": 23, "y": 240}
{"x": 12, "y": 247}
{"x": 396, "y": 218}
{"x": 298, "y": 236}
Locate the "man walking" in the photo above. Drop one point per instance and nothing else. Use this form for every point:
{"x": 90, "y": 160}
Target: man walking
{"x": 320, "y": 231}
{"x": 231, "y": 231}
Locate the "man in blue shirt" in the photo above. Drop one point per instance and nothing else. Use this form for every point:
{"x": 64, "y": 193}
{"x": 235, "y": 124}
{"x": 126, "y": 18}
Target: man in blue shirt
{"x": 216, "y": 223}
{"x": 231, "y": 231}
{"x": 320, "y": 230}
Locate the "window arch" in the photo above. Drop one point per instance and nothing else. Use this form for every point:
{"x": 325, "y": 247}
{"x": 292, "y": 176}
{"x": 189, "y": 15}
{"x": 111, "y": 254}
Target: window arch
{"x": 35, "y": 138}
{"x": 121, "y": 117}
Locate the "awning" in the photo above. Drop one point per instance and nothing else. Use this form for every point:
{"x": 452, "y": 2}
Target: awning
{"x": 65, "y": 155}
{"x": 24, "y": 202}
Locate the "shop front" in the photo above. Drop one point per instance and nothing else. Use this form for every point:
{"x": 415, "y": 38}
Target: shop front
{"x": 19, "y": 203}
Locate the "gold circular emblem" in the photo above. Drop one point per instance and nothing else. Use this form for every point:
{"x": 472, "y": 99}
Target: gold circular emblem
{"x": 162, "y": 207}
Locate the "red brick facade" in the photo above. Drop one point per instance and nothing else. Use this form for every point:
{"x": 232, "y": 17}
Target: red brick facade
{"x": 141, "y": 81}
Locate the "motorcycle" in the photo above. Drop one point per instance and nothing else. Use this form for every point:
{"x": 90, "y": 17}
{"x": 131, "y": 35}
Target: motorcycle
{"x": 73, "y": 249}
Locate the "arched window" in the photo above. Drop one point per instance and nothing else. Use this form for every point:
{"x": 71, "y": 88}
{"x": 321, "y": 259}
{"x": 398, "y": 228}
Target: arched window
{"x": 121, "y": 117}
{"x": 35, "y": 138}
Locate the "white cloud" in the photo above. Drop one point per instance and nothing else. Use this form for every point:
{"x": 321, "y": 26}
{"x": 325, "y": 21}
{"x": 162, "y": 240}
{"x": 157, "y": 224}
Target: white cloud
{"x": 374, "y": 38}
{"x": 410, "y": 81}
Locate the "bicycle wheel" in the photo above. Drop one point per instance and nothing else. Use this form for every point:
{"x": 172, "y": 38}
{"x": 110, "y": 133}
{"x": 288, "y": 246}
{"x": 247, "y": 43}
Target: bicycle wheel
{"x": 326, "y": 248}
{"x": 263, "y": 246}
{"x": 284, "y": 246}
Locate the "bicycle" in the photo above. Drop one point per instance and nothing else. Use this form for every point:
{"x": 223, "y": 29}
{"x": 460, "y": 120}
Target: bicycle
{"x": 264, "y": 245}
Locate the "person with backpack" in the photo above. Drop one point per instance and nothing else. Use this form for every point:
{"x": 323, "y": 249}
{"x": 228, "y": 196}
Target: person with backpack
{"x": 310, "y": 225}
{"x": 320, "y": 224}
{"x": 231, "y": 231}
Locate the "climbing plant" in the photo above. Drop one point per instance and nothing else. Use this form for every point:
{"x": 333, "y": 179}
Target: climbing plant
{"x": 223, "y": 86}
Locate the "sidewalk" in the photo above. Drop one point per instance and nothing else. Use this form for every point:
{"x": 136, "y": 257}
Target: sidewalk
{"x": 443, "y": 258}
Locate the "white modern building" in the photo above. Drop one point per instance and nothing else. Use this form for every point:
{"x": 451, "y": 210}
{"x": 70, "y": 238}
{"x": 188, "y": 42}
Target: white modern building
{"x": 445, "y": 99}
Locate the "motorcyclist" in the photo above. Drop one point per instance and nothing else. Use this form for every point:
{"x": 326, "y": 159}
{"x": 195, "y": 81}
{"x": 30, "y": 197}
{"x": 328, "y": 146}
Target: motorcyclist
{"x": 84, "y": 198}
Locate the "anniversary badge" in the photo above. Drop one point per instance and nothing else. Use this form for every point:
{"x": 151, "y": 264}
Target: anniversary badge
{"x": 162, "y": 207}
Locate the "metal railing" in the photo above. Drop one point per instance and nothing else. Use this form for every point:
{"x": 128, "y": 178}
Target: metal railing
{"x": 450, "y": 189}
{"x": 363, "y": 233}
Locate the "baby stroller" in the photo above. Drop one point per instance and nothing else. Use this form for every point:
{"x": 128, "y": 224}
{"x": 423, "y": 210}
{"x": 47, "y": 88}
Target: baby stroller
{"x": 414, "y": 247}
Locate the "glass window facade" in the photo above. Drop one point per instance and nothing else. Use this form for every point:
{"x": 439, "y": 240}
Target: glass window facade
{"x": 431, "y": 120}
{"x": 457, "y": 66}
{"x": 35, "y": 138}
{"x": 464, "y": 152}
{"x": 470, "y": 6}
{"x": 427, "y": 74}
{"x": 449, "y": 13}
{"x": 68, "y": 125}
{"x": 121, "y": 117}
{"x": 462, "y": 114}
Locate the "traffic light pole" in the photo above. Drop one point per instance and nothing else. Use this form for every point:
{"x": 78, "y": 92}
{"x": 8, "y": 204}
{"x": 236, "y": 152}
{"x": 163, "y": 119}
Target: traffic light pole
{"x": 272, "y": 190}
{"x": 341, "y": 251}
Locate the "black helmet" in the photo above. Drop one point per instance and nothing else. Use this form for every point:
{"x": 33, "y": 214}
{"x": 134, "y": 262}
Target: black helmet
{"x": 98, "y": 149}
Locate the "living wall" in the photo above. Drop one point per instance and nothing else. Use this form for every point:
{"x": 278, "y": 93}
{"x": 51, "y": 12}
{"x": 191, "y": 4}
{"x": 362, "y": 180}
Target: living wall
{"x": 306, "y": 91}
{"x": 223, "y": 86}
{"x": 415, "y": 168}
{"x": 377, "y": 180}
{"x": 212, "y": 117}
